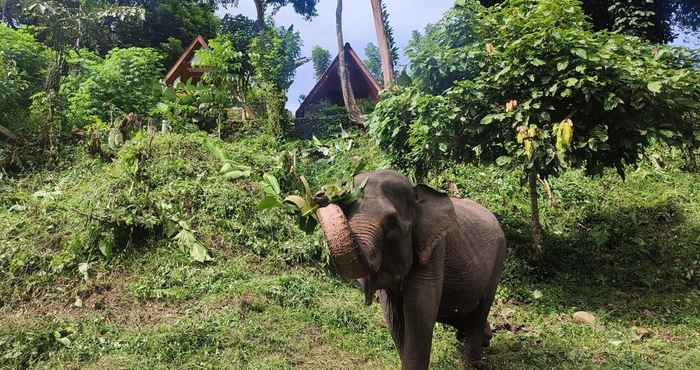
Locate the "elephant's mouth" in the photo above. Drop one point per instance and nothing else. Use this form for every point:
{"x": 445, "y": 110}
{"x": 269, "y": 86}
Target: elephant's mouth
{"x": 345, "y": 250}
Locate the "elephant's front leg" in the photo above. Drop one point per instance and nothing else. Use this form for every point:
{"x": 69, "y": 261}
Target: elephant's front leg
{"x": 421, "y": 302}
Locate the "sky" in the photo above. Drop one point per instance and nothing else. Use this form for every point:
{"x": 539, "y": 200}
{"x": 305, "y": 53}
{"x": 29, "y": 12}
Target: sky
{"x": 358, "y": 29}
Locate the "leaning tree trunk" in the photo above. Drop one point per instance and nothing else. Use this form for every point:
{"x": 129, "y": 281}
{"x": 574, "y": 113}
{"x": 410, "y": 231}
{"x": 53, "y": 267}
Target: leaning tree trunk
{"x": 535, "y": 224}
{"x": 346, "y": 87}
{"x": 383, "y": 42}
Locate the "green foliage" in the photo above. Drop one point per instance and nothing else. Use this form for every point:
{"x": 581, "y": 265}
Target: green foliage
{"x": 241, "y": 30}
{"x": 23, "y": 63}
{"x": 179, "y": 107}
{"x": 438, "y": 56}
{"x": 389, "y": 32}
{"x": 125, "y": 81}
{"x": 373, "y": 61}
{"x": 616, "y": 93}
{"x": 168, "y": 22}
{"x": 27, "y": 54}
{"x": 321, "y": 59}
{"x": 65, "y": 24}
{"x": 274, "y": 54}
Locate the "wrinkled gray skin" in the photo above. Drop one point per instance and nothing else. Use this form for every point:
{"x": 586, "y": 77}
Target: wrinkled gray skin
{"x": 431, "y": 259}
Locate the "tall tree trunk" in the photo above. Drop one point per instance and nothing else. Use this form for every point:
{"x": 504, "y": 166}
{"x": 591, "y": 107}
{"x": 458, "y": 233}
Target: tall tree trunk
{"x": 535, "y": 225}
{"x": 346, "y": 87}
{"x": 260, "y": 11}
{"x": 383, "y": 42}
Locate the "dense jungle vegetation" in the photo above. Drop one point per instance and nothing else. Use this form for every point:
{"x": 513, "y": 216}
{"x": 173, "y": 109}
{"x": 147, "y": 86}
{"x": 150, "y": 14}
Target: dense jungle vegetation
{"x": 131, "y": 234}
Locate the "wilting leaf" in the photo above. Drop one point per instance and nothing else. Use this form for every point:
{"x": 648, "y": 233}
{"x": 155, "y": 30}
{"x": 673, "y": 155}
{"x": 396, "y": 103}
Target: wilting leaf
{"x": 298, "y": 201}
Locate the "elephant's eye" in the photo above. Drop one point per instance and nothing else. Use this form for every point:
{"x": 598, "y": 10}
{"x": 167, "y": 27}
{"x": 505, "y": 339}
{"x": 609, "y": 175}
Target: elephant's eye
{"x": 391, "y": 221}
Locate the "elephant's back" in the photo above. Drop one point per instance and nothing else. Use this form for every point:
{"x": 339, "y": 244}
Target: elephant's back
{"x": 482, "y": 239}
{"x": 478, "y": 221}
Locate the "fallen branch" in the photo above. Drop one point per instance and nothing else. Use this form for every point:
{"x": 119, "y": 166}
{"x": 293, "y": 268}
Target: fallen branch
{"x": 9, "y": 134}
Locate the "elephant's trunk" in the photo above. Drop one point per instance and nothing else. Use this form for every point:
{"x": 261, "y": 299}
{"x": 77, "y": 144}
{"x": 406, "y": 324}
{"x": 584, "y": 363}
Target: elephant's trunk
{"x": 345, "y": 249}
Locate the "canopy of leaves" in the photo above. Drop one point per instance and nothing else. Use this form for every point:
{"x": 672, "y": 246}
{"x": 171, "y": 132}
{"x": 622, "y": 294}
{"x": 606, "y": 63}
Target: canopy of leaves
{"x": 306, "y": 8}
{"x": 321, "y": 58}
{"x": 436, "y": 57}
{"x": 656, "y": 21}
{"x": 166, "y": 21}
{"x": 125, "y": 81}
{"x": 550, "y": 94}
{"x": 64, "y": 24}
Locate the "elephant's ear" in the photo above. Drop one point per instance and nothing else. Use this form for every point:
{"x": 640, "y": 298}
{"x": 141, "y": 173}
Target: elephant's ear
{"x": 435, "y": 217}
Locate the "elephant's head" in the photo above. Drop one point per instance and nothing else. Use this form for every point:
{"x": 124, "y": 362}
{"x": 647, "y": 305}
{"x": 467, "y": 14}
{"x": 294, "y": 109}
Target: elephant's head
{"x": 392, "y": 227}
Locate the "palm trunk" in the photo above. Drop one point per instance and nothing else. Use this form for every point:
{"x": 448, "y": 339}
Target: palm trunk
{"x": 260, "y": 11}
{"x": 535, "y": 224}
{"x": 346, "y": 87}
{"x": 383, "y": 42}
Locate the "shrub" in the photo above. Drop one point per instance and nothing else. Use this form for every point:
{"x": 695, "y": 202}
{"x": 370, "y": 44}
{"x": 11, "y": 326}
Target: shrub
{"x": 550, "y": 94}
{"x": 125, "y": 81}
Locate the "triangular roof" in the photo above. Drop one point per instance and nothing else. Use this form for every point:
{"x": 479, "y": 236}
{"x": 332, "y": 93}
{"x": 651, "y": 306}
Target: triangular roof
{"x": 362, "y": 82}
{"x": 182, "y": 65}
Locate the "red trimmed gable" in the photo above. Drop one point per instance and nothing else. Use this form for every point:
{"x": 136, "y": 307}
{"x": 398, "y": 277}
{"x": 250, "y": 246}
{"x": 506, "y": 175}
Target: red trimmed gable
{"x": 364, "y": 86}
{"x": 182, "y": 69}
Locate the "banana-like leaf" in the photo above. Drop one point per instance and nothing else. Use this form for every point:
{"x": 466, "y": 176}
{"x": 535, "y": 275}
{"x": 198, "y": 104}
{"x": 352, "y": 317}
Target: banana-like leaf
{"x": 233, "y": 175}
{"x": 307, "y": 189}
{"x": 297, "y": 201}
{"x": 225, "y": 168}
{"x": 271, "y": 186}
{"x": 270, "y": 201}
{"x": 187, "y": 241}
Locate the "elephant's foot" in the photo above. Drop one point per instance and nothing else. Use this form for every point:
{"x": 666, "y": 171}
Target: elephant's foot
{"x": 463, "y": 337}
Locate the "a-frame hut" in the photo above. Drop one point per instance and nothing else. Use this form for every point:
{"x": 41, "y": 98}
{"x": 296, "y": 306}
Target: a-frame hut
{"x": 328, "y": 88}
{"x": 182, "y": 69}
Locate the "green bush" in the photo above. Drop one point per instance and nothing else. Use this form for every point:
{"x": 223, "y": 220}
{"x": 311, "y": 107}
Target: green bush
{"x": 23, "y": 62}
{"x": 125, "y": 81}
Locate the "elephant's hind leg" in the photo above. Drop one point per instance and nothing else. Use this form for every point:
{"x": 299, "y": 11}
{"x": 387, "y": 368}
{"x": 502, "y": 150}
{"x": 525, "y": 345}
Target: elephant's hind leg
{"x": 477, "y": 332}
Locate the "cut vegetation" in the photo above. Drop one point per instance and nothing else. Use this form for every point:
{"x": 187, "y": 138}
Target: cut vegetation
{"x": 95, "y": 273}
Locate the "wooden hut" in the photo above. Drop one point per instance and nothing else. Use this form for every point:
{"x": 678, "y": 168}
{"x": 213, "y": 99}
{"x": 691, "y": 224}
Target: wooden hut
{"x": 327, "y": 89}
{"x": 182, "y": 69}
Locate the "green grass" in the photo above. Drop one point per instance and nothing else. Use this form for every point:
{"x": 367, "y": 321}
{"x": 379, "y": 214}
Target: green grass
{"x": 628, "y": 252}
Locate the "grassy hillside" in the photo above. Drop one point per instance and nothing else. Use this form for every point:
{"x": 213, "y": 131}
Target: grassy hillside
{"x": 97, "y": 265}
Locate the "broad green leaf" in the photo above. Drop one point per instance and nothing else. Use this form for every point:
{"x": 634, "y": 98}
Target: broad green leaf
{"x": 270, "y": 201}
{"x": 504, "y": 160}
{"x": 233, "y": 175}
{"x": 654, "y": 87}
{"x": 271, "y": 185}
{"x": 487, "y": 120}
{"x": 298, "y": 201}
{"x": 225, "y": 168}
{"x": 199, "y": 253}
{"x": 562, "y": 65}
{"x": 581, "y": 53}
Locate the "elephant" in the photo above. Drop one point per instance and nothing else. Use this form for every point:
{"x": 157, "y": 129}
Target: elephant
{"x": 424, "y": 256}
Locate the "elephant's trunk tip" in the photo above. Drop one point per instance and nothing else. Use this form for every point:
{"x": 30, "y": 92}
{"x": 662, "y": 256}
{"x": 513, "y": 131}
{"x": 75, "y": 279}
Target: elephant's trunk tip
{"x": 344, "y": 250}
